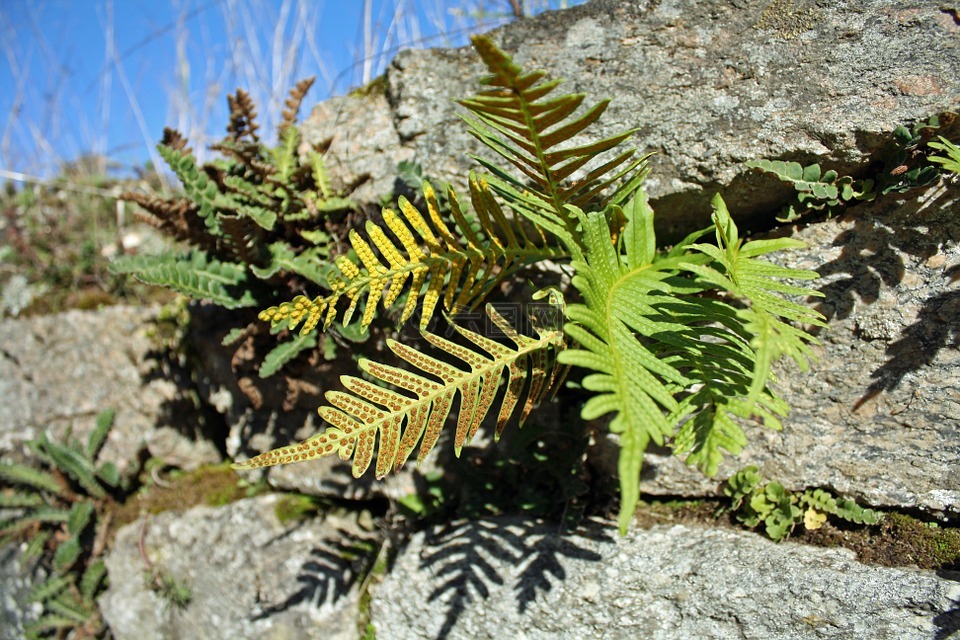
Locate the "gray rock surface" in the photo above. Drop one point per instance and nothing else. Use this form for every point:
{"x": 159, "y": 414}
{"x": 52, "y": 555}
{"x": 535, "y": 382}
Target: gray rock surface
{"x": 708, "y": 84}
{"x": 250, "y": 576}
{"x": 878, "y": 417}
{"x": 510, "y": 579}
{"x": 59, "y": 372}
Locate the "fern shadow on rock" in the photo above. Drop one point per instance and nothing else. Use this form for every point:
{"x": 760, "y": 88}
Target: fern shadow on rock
{"x": 471, "y": 558}
{"x": 878, "y": 252}
{"x": 329, "y": 574}
{"x": 185, "y": 411}
{"x": 937, "y": 327}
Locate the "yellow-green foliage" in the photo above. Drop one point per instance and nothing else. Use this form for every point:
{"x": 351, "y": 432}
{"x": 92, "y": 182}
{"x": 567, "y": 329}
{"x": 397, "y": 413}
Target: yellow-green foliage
{"x": 755, "y": 502}
{"x": 432, "y": 263}
{"x": 676, "y": 345}
{"x": 406, "y": 421}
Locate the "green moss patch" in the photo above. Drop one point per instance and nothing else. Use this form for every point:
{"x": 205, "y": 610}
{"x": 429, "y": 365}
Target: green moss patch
{"x": 214, "y": 486}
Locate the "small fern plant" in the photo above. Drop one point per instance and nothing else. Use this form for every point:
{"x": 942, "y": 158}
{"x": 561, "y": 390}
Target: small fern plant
{"x": 755, "y": 502}
{"x": 908, "y": 163}
{"x": 675, "y": 344}
{"x": 259, "y": 223}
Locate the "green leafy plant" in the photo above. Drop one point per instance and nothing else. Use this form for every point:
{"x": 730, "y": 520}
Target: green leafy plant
{"x": 755, "y": 502}
{"x": 675, "y": 344}
{"x": 908, "y": 164}
{"x": 950, "y": 162}
{"x": 260, "y": 223}
{"x": 56, "y": 509}
{"x": 817, "y": 190}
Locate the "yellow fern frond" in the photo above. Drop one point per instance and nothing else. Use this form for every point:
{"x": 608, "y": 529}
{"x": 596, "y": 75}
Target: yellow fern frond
{"x": 423, "y": 257}
{"x": 416, "y": 411}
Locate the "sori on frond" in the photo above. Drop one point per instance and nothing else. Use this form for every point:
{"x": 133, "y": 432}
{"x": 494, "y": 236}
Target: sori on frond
{"x": 406, "y": 408}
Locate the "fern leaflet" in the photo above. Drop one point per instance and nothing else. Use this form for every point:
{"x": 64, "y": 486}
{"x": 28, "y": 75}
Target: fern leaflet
{"x": 403, "y": 420}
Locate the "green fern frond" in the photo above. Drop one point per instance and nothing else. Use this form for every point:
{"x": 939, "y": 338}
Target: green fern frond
{"x": 431, "y": 263}
{"x": 285, "y": 352}
{"x": 193, "y": 274}
{"x": 519, "y": 119}
{"x": 816, "y": 190}
{"x": 415, "y": 416}
{"x": 663, "y": 355}
{"x": 310, "y": 263}
{"x": 760, "y": 285}
{"x": 196, "y": 185}
{"x": 949, "y": 162}
{"x": 620, "y": 295}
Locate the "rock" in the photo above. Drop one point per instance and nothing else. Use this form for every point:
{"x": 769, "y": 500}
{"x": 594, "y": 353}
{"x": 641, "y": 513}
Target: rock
{"x": 57, "y": 373}
{"x": 878, "y": 417}
{"x": 708, "y": 85}
{"x": 509, "y": 578}
{"x": 250, "y": 576}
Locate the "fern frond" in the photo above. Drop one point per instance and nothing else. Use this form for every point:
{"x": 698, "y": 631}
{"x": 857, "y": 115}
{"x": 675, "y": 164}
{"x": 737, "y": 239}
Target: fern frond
{"x": 310, "y": 263}
{"x": 519, "y": 119}
{"x": 629, "y": 379}
{"x": 415, "y": 413}
{"x": 200, "y": 189}
{"x": 759, "y": 283}
{"x": 664, "y": 356}
{"x": 293, "y": 103}
{"x": 285, "y": 352}
{"x": 243, "y": 117}
{"x": 816, "y": 190}
{"x": 193, "y": 274}
{"x": 431, "y": 263}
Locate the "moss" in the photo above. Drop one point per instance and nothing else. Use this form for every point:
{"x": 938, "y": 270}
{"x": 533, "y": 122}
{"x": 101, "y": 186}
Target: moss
{"x": 789, "y": 18}
{"x": 294, "y": 507}
{"x": 214, "y": 485}
{"x": 377, "y": 86}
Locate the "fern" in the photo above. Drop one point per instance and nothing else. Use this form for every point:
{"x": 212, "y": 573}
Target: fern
{"x": 677, "y": 346}
{"x": 195, "y": 275}
{"x": 261, "y": 220}
{"x": 816, "y": 190}
{"x": 755, "y": 502}
{"x": 516, "y": 119}
{"x": 458, "y": 267}
{"x": 285, "y": 352}
{"x": 404, "y": 421}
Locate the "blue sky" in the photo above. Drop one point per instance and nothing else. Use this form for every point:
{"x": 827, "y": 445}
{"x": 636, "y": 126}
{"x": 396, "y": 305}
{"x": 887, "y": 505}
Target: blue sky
{"x": 105, "y": 76}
